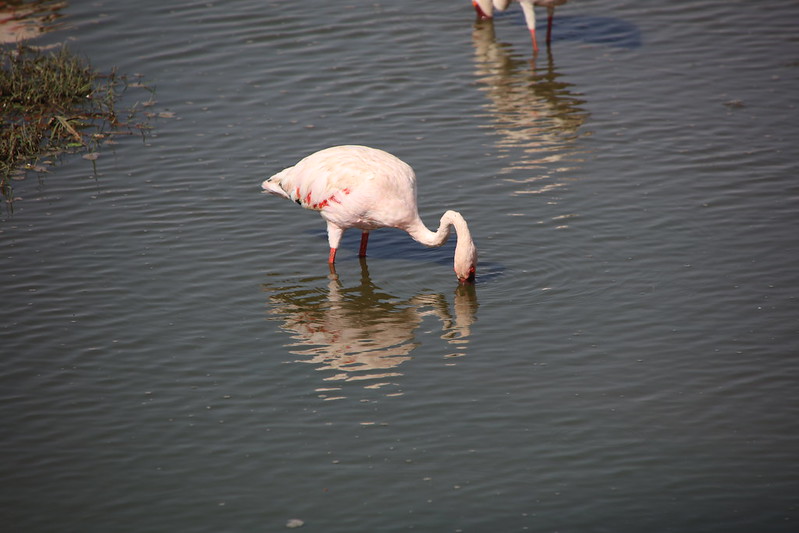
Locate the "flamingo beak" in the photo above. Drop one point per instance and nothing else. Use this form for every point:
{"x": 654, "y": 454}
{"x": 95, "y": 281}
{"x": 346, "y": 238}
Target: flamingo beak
{"x": 469, "y": 278}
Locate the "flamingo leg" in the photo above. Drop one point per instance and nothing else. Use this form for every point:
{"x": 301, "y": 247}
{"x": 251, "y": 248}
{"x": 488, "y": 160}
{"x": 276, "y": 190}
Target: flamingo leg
{"x": 535, "y": 41}
{"x": 333, "y": 238}
{"x": 551, "y": 15}
{"x": 364, "y": 242}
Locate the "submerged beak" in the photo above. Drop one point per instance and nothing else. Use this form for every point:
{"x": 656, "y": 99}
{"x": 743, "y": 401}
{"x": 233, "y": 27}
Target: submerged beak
{"x": 469, "y": 278}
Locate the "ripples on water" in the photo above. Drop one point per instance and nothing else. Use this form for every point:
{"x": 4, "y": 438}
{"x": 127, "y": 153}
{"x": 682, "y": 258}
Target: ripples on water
{"x": 359, "y": 332}
{"x": 170, "y": 335}
{"x": 532, "y": 111}
{"x": 23, "y": 21}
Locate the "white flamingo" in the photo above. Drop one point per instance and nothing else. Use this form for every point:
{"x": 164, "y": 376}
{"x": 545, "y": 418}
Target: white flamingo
{"x": 485, "y": 10}
{"x": 365, "y": 188}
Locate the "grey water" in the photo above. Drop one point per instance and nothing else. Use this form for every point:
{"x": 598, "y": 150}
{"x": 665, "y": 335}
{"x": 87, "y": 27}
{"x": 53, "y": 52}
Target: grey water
{"x": 177, "y": 356}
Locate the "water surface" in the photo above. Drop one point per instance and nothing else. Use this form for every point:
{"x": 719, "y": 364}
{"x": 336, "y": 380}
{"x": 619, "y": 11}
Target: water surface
{"x": 178, "y": 357}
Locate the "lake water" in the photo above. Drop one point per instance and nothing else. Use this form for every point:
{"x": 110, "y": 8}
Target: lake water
{"x": 176, "y": 355}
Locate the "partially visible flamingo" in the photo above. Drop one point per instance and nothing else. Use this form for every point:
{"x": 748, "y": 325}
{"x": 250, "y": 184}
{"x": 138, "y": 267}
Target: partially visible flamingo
{"x": 365, "y": 188}
{"x": 485, "y": 10}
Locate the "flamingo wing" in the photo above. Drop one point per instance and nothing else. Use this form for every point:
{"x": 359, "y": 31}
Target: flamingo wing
{"x": 327, "y": 176}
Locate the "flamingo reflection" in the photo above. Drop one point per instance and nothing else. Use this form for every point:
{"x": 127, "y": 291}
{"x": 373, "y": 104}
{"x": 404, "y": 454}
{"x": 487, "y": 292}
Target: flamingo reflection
{"x": 360, "y": 333}
{"x": 533, "y": 110}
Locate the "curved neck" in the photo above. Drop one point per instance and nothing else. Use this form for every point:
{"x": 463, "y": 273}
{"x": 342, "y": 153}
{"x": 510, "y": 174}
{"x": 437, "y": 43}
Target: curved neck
{"x": 421, "y": 234}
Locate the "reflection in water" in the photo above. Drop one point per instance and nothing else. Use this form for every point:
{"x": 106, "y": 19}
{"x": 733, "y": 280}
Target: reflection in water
{"x": 531, "y": 108}
{"x": 360, "y": 333}
{"x": 20, "y": 21}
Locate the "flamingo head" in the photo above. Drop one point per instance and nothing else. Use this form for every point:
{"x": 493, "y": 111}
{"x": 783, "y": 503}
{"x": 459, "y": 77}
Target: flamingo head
{"x": 483, "y": 9}
{"x": 465, "y": 262}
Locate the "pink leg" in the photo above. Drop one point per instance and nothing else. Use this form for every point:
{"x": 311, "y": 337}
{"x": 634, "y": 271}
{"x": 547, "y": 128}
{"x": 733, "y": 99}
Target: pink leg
{"x": 332, "y": 258}
{"x": 364, "y": 241}
{"x": 551, "y": 13}
{"x": 535, "y": 42}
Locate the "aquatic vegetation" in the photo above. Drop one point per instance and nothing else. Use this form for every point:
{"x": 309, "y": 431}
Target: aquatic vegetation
{"x": 55, "y": 103}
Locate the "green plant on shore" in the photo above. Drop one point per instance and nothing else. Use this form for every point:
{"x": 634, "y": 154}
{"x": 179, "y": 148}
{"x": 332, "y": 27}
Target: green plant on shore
{"x": 54, "y": 103}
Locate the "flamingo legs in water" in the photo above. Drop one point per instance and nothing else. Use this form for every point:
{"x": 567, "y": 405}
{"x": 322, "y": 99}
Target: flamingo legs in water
{"x": 361, "y": 251}
{"x": 550, "y": 16}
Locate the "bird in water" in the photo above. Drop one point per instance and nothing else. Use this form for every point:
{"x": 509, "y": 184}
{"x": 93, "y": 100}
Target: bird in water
{"x": 485, "y": 10}
{"x": 366, "y": 188}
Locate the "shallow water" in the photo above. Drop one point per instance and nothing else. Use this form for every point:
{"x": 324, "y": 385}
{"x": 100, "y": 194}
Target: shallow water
{"x": 177, "y": 356}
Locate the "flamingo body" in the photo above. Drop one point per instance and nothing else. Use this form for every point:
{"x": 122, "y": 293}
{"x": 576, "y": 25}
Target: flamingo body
{"x": 485, "y": 10}
{"x": 365, "y": 188}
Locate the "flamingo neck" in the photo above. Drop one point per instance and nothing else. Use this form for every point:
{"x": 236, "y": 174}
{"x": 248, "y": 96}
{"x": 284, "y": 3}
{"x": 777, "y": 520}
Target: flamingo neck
{"x": 419, "y": 232}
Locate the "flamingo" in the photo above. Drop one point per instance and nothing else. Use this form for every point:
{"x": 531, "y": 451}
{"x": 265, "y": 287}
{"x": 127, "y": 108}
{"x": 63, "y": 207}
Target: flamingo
{"x": 485, "y": 9}
{"x": 366, "y": 188}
